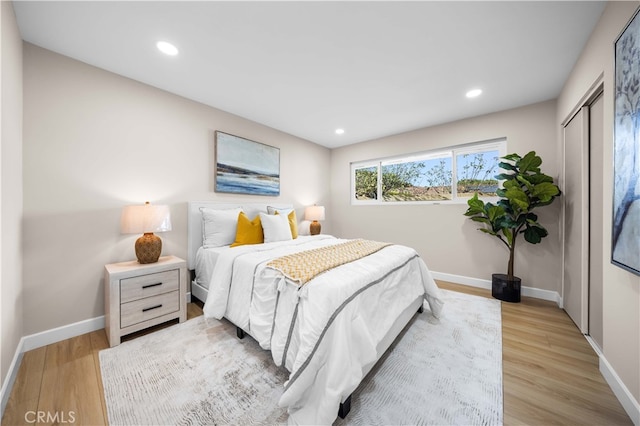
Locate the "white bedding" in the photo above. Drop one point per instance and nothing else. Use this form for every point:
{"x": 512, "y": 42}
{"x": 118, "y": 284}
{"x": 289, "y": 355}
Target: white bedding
{"x": 206, "y": 259}
{"x": 327, "y": 332}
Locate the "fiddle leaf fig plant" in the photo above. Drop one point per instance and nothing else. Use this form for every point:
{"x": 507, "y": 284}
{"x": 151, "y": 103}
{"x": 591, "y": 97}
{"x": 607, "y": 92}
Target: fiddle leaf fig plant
{"x": 524, "y": 188}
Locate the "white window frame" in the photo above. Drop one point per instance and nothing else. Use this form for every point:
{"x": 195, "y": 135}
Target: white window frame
{"x": 499, "y": 144}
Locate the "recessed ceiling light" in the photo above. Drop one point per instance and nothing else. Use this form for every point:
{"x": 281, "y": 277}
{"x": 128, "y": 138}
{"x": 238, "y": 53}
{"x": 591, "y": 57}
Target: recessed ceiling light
{"x": 474, "y": 93}
{"x": 167, "y": 48}
{"x": 339, "y": 131}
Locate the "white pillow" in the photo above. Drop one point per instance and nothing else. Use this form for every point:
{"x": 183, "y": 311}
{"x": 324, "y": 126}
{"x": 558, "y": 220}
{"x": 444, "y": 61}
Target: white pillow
{"x": 219, "y": 227}
{"x": 275, "y": 227}
{"x": 279, "y": 210}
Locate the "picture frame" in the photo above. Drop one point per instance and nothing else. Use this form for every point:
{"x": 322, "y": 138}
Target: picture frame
{"x": 625, "y": 241}
{"x": 244, "y": 166}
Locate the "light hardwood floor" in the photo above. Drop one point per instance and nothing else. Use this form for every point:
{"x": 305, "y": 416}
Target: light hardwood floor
{"x": 550, "y": 373}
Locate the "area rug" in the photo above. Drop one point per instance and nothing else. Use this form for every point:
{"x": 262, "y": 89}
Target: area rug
{"x": 445, "y": 371}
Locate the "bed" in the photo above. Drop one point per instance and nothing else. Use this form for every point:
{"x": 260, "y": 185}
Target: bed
{"x": 328, "y": 330}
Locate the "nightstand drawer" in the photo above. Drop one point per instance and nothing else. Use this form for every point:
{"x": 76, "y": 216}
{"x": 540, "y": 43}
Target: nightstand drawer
{"x": 149, "y": 308}
{"x": 149, "y": 285}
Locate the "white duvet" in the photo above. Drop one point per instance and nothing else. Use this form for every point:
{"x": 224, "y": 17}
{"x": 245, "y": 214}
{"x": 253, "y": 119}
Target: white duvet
{"x": 325, "y": 333}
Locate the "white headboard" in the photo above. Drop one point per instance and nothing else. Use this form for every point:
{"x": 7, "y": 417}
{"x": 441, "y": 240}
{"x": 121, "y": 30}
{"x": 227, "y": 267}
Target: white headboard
{"x": 194, "y": 222}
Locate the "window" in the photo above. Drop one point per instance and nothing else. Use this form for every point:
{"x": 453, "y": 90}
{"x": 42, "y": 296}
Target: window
{"x": 447, "y": 175}
{"x": 366, "y": 181}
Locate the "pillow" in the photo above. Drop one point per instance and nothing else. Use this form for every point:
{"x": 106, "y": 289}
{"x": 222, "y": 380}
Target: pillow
{"x": 293, "y": 224}
{"x": 281, "y": 210}
{"x": 248, "y": 231}
{"x": 275, "y": 227}
{"x": 219, "y": 226}
{"x": 291, "y": 214}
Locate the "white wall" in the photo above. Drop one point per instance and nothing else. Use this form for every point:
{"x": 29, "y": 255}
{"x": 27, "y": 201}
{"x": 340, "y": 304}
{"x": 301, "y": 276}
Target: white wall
{"x": 621, "y": 310}
{"x": 11, "y": 298}
{"x": 94, "y": 142}
{"x": 444, "y": 237}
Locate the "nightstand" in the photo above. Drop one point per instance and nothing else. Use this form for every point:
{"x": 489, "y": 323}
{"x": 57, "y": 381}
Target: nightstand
{"x": 139, "y": 296}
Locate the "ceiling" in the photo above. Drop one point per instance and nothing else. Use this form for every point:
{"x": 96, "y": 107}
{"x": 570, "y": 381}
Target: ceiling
{"x": 307, "y": 68}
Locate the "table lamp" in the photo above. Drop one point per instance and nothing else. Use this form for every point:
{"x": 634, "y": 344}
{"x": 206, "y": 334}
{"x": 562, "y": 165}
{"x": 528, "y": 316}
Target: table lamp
{"x": 146, "y": 219}
{"x": 314, "y": 213}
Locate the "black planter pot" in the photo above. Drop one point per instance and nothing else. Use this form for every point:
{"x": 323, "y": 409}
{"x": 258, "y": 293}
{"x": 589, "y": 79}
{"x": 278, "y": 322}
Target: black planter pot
{"x": 503, "y": 288}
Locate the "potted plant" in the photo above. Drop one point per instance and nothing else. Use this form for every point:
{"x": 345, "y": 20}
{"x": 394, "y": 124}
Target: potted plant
{"x": 524, "y": 188}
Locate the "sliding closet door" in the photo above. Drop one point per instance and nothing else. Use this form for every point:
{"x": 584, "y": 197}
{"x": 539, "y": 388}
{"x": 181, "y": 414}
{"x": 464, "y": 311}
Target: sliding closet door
{"x": 576, "y": 219}
{"x": 596, "y": 237}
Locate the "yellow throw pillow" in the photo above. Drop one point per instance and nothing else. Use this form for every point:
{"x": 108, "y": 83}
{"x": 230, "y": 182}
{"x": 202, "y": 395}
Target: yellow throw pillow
{"x": 249, "y": 231}
{"x": 293, "y": 223}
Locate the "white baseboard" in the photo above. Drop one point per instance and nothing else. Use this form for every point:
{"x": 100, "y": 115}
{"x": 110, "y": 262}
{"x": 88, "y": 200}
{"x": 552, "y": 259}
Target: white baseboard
{"x": 8, "y": 382}
{"x": 594, "y": 345}
{"x": 629, "y": 403}
{"x": 58, "y": 334}
{"x": 486, "y": 284}
{"x": 44, "y": 338}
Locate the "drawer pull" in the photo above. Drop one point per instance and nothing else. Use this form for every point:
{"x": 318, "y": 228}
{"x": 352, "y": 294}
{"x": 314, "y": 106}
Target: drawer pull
{"x": 153, "y": 307}
{"x": 151, "y": 285}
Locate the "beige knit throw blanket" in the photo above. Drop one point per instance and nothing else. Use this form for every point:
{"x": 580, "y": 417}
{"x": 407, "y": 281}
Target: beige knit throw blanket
{"x": 304, "y": 266}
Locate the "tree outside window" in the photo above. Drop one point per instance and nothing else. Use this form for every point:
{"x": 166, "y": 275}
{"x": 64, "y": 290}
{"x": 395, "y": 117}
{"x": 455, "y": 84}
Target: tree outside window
{"x": 430, "y": 176}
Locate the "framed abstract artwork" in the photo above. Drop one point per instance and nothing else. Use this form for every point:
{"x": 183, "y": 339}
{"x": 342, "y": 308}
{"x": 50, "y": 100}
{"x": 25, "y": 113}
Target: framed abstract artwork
{"x": 246, "y": 167}
{"x": 625, "y": 238}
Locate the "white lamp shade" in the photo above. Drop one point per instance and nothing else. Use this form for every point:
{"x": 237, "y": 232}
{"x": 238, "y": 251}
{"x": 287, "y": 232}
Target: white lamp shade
{"x": 145, "y": 218}
{"x": 314, "y": 213}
